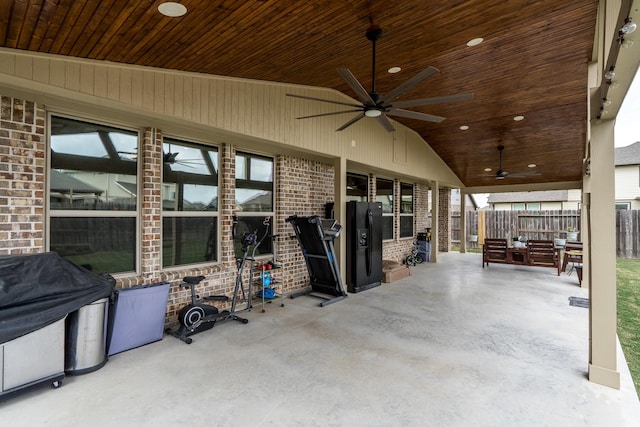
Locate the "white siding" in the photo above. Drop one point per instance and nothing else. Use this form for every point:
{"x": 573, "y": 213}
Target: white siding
{"x": 245, "y": 110}
{"x": 627, "y": 182}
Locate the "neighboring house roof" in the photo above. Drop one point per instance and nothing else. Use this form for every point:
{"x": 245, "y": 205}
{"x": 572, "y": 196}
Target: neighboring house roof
{"x": 529, "y": 196}
{"x": 129, "y": 187}
{"x": 629, "y": 155}
{"x": 63, "y": 183}
{"x": 256, "y": 202}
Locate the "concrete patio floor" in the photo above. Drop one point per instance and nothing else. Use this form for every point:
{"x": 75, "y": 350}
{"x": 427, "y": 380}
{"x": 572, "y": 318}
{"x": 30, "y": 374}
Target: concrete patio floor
{"x": 453, "y": 345}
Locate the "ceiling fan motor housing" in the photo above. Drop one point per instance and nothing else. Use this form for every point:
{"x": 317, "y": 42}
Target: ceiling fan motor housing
{"x": 374, "y": 33}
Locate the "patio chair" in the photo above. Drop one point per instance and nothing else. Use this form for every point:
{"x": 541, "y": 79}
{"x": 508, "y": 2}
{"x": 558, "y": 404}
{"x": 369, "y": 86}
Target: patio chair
{"x": 494, "y": 250}
{"x": 572, "y": 253}
{"x": 543, "y": 253}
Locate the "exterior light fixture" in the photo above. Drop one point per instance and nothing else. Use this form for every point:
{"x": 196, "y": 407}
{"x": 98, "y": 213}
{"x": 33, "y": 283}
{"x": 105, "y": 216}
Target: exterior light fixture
{"x": 394, "y": 70}
{"x": 518, "y": 118}
{"x": 475, "y": 42}
{"x": 628, "y": 27}
{"x": 609, "y": 75}
{"x": 374, "y": 112}
{"x": 464, "y": 127}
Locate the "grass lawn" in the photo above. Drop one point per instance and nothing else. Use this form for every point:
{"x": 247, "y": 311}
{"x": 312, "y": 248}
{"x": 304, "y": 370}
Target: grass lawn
{"x": 628, "y": 274}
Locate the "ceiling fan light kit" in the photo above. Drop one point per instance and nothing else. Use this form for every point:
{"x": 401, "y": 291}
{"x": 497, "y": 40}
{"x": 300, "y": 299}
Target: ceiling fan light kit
{"x": 374, "y": 105}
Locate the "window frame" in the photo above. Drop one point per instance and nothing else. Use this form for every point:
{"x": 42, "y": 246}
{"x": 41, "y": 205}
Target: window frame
{"x": 178, "y": 141}
{"x": 352, "y": 197}
{"x": 256, "y": 214}
{"x": 102, "y": 213}
{"x": 386, "y": 215}
{"x": 402, "y": 214}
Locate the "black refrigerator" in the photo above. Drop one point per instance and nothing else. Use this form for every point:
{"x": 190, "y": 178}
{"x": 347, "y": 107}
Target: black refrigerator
{"x": 364, "y": 245}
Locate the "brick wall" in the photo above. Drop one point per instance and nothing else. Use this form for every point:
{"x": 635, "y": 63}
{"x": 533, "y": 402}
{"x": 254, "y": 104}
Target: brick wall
{"x": 22, "y": 176}
{"x": 303, "y": 188}
{"x": 444, "y": 219}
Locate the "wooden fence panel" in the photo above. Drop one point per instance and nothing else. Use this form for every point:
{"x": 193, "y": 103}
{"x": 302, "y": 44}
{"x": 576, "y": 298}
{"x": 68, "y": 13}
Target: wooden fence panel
{"x": 628, "y": 233}
{"x": 548, "y": 225}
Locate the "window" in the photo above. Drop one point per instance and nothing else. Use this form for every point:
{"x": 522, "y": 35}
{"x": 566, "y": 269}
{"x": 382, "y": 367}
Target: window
{"x": 254, "y": 199}
{"x": 384, "y": 195}
{"x": 357, "y": 188}
{"x": 623, "y": 206}
{"x": 93, "y": 189}
{"x": 406, "y": 210}
{"x": 517, "y": 206}
{"x": 189, "y": 203}
{"x": 533, "y": 206}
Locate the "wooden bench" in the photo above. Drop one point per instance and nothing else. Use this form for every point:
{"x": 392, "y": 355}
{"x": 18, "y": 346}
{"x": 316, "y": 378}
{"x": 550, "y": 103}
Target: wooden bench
{"x": 494, "y": 250}
{"x": 538, "y": 253}
{"x": 543, "y": 253}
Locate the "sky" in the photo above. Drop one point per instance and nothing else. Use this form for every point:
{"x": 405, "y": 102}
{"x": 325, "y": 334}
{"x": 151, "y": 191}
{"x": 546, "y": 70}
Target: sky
{"x": 626, "y": 130}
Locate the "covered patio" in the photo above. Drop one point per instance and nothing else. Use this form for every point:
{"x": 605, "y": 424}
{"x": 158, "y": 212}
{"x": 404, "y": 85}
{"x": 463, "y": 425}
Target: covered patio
{"x": 452, "y": 345}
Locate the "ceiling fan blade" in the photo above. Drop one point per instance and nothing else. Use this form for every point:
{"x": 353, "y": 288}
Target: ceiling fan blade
{"x": 350, "y": 122}
{"x": 329, "y": 114}
{"x": 433, "y": 100}
{"x": 323, "y": 100}
{"x": 355, "y": 85}
{"x": 523, "y": 174}
{"x": 410, "y": 84}
{"x": 415, "y": 115}
{"x": 385, "y": 123}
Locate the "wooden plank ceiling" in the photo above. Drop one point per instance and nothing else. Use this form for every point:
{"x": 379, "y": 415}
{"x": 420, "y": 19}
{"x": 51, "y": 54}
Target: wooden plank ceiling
{"x": 533, "y": 61}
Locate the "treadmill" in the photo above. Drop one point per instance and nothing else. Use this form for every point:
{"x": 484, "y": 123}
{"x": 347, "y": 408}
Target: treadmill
{"x": 315, "y": 237}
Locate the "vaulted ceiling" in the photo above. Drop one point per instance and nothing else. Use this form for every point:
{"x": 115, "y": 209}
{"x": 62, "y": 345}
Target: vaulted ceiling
{"x": 532, "y": 63}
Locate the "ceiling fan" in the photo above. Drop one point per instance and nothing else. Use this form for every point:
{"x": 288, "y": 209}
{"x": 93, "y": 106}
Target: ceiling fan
{"x": 502, "y": 174}
{"x": 380, "y": 106}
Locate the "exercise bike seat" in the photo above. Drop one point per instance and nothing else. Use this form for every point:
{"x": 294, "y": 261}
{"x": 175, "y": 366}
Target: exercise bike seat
{"x": 193, "y": 280}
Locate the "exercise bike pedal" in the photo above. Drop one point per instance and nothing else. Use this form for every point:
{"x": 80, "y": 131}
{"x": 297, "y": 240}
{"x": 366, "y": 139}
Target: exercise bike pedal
{"x": 216, "y": 298}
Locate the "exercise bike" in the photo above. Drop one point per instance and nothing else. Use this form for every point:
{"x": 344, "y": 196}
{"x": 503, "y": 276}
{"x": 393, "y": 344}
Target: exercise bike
{"x": 198, "y": 316}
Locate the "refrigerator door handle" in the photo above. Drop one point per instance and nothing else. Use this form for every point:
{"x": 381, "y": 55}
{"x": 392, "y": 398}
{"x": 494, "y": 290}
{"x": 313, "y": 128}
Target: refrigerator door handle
{"x": 369, "y": 245}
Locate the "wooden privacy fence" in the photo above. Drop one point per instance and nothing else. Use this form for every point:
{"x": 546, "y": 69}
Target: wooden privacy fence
{"x": 628, "y": 234}
{"x": 545, "y": 225}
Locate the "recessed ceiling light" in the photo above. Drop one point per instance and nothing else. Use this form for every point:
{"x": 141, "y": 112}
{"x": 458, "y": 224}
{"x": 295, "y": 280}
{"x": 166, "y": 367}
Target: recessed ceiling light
{"x": 531, "y": 165}
{"x": 518, "y": 118}
{"x": 172, "y": 9}
{"x": 464, "y": 127}
{"x": 394, "y": 70}
{"x": 487, "y": 169}
{"x": 475, "y": 42}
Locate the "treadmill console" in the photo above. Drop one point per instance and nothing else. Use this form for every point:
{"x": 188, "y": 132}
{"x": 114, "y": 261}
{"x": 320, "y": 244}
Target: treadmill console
{"x": 331, "y": 228}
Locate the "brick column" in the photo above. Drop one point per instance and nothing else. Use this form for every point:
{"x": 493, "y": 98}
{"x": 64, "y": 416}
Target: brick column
{"x": 421, "y": 207}
{"x": 151, "y": 251}
{"x": 227, "y": 191}
{"x": 22, "y": 176}
{"x": 444, "y": 219}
